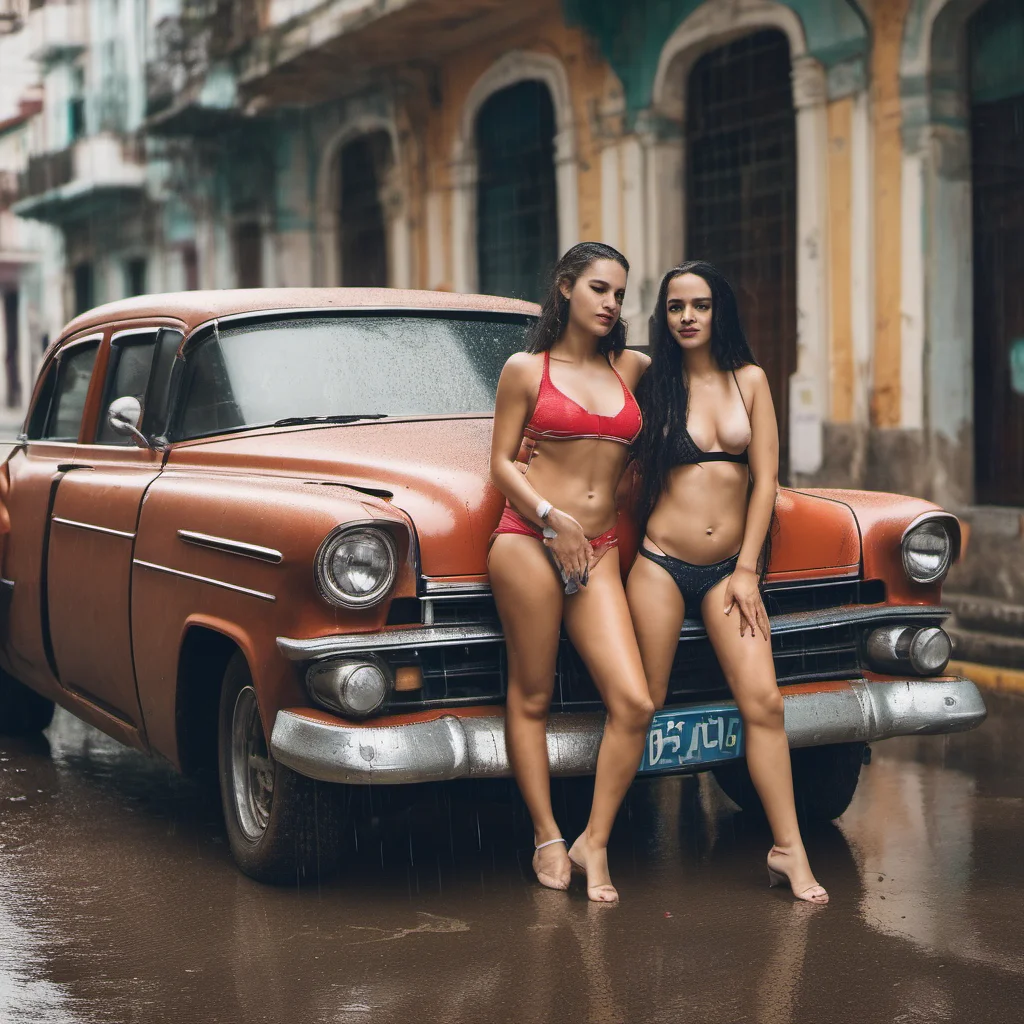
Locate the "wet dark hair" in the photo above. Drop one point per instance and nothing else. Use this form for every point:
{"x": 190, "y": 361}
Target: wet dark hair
{"x": 554, "y": 312}
{"x": 663, "y": 394}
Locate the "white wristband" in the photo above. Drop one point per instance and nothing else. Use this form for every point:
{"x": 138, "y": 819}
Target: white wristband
{"x": 544, "y": 510}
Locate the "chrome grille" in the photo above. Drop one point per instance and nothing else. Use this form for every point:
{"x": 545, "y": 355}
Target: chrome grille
{"x": 807, "y": 643}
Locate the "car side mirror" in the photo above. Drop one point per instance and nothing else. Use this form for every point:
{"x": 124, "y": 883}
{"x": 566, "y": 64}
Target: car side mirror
{"x": 124, "y": 417}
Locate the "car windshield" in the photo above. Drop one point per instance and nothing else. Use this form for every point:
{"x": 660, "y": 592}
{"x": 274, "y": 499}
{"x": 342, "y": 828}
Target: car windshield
{"x": 335, "y": 368}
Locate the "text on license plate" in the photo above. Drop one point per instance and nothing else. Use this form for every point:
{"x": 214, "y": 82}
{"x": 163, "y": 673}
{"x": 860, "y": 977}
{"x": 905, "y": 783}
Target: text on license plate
{"x": 679, "y": 738}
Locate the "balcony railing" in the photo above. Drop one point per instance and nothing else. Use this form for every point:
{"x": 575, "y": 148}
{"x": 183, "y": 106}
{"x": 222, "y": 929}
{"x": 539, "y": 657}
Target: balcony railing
{"x": 56, "y": 185}
{"x": 57, "y": 28}
{"x": 46, "y": 172}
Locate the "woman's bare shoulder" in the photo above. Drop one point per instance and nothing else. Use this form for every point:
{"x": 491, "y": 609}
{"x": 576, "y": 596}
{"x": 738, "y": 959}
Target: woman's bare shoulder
{"x": 523, "y": 369}
{"x": 631, "y": 365}
{"x": 752, "y": 376}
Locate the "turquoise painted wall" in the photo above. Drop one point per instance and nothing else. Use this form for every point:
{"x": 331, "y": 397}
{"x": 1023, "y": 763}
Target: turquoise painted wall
{"x": 631, "y": 36}
{"x": 996, "y": 41}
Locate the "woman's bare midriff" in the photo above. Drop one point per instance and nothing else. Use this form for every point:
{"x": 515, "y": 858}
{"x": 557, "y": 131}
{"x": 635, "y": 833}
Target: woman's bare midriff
{"x": 580, "y": 478}
{"x": 702, "y": 513}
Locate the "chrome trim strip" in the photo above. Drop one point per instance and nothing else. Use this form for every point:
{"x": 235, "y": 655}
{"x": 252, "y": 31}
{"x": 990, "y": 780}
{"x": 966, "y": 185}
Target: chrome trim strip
{"x": 394, "y": 640}
{"x": 451, "y": 747}
{"x": 483, "y": 632}
{"x": 232, "y": 547}
{"x": 116, "y": 337}
{"x": 91, "y": 526}
{"x": 204, "y": 579}
{"x": 447, "y": 588}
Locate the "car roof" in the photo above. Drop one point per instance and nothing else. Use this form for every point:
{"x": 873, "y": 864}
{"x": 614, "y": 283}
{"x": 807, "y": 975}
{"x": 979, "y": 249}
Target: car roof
{"x": 196, "y": 307}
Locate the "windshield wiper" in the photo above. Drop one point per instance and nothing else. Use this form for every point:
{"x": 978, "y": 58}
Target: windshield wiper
{"x": 294, "y": 421}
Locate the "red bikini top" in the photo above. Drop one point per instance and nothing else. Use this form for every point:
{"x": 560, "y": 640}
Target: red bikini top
{"x": 556, "y": 417}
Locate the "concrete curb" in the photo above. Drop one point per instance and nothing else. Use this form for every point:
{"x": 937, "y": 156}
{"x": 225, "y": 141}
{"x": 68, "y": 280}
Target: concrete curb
{"x": 989, "y": 677}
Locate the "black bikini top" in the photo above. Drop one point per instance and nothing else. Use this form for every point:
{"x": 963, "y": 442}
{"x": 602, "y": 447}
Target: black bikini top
{"x": 686, "y": 453}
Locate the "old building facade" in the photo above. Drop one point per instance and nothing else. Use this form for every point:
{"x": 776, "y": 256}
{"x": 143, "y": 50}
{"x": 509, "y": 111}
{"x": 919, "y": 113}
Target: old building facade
{"x": 856, "y": 167}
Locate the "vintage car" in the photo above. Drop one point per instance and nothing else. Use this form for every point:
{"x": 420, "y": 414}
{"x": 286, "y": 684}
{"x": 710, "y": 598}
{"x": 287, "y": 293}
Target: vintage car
{"x": 247, "y": 531}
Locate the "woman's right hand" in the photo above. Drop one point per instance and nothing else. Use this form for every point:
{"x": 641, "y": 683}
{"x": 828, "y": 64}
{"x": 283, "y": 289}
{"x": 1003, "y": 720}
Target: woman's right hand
{"x": 570, "y": 546}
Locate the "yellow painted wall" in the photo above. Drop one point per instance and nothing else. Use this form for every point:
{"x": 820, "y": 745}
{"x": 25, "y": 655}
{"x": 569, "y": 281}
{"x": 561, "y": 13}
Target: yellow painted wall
{"x": 888, "y": 166}
{"x": 589, "y": 79}
{"x": 841, "y": 362}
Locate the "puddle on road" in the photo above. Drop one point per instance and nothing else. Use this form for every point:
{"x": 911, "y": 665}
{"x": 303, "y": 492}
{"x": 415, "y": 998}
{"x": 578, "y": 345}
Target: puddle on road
{"x": 119, "y": 902}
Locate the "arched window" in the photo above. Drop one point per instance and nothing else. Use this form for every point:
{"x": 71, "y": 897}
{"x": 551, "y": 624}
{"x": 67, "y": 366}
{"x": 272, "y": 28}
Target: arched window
{"x": 741, "y": 193}
{"x": 996, "y": 35}
{"x": 517, "y": 222}
{"x": 363, "y": 166}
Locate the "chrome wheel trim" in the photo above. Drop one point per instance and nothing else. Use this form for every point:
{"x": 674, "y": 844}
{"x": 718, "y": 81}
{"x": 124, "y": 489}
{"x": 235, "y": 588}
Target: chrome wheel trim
{"x": 252, "y": 770}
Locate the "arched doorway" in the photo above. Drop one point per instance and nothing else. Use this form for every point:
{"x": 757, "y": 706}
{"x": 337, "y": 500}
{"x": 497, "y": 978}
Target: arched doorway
{"x": 517, "y": 216}
{"x": 363, "y": 168}
{"x": 995, "y": 39}
{"x": 741, "y": 204}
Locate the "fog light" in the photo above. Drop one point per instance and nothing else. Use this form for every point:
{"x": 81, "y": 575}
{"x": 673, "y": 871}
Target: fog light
{"x": 908, "y": 648}
{"x": 930, "y": 651}
{"x": 356, "y": 688}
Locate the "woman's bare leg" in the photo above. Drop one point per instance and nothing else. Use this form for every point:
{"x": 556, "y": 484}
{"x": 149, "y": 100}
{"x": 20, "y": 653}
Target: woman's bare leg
{"x": 598, "y": 623}
{"x": 750, "y": 671}
{"x": 657, "y": 609}
{"x": 529, "y": 599}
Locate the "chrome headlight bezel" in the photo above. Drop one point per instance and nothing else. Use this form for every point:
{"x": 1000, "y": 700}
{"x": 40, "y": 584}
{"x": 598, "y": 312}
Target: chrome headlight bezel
{"x": 932, "y": 522}
{"x": 328, "y": 585}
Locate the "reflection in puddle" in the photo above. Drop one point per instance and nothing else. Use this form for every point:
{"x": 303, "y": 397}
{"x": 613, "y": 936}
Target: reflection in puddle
{"x": 914, "y": 829}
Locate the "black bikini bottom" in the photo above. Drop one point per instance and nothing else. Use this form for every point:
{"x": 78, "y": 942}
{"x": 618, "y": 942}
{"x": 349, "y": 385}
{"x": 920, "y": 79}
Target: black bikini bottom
{"x": 693, "y": 581}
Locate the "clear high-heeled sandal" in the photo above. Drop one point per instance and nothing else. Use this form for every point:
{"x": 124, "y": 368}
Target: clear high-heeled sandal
{"x": 815, "y": 894}
{"x": 545, "y": 879}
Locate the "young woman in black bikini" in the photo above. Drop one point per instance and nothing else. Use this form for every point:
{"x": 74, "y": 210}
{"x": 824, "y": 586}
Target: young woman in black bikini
{"x": 709, "y": 461}
{"x": 554, "y": 556}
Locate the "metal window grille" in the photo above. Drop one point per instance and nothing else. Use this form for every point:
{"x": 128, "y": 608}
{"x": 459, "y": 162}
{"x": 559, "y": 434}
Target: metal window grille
{"x": 741, "y": 193}
{"x": 517, "y": 222}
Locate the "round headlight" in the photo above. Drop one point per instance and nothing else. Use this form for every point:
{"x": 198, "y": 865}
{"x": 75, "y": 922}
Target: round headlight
{"x": 356, "y": 567}
{"x": 927, "y": 552}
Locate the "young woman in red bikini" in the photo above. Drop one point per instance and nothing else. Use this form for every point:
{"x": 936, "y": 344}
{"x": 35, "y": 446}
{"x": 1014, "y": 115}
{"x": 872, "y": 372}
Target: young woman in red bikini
{"x": 709, "y": 462}
{"x": 564, "y": 420}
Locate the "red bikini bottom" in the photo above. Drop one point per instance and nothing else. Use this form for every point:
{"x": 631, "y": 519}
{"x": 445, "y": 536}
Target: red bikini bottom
{"x": 512, "y": 522}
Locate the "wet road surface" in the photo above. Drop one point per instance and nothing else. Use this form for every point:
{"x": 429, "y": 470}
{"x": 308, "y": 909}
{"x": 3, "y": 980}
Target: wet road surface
{"x": 119, "y": 902}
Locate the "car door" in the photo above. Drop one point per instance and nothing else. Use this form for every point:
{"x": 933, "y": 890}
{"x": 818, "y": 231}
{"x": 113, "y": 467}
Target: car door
{"x": 92, "y": 533}
{"x": 45, "y": 454}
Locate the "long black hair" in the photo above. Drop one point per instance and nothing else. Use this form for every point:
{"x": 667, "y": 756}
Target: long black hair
{"x": 554, "y": 313}
{"x": 663, "y": 393}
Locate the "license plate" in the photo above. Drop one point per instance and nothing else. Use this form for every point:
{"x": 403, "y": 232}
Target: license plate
{"x": 679, "y": 738}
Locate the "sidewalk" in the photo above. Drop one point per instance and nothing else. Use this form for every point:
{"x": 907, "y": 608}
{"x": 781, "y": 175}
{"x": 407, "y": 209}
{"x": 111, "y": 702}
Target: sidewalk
{"x": 989, "y": 677}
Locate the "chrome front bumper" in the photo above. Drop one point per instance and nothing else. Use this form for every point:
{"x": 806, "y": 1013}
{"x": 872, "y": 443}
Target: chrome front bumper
{"x": 454, "y": 747}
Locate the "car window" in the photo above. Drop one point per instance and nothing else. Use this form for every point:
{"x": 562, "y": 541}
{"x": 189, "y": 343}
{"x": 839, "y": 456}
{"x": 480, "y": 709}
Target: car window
{"x": 353, "y": 365}
{"x": 131, "y": 359}
{"x": 73, "y": 374}
{"x": 40, "y": 411}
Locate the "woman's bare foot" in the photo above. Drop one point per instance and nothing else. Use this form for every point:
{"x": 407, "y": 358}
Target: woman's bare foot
{"x": 791, "y": 865}
{"x": 593, "y": 861}
{"x": 551, "y": 865}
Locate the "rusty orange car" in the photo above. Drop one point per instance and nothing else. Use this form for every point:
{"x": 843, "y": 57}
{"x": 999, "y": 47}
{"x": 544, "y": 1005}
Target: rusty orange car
{"x": 247, "y": 531}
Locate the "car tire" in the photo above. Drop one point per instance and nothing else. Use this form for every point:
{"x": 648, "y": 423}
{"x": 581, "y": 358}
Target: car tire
{"x": 282, "y": 827}
{"x": 824, "y": 781}
{"x": 23, "y": 712}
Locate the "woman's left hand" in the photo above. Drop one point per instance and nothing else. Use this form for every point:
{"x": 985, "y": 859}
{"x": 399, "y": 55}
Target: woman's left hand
{"x": 742, "y": 592}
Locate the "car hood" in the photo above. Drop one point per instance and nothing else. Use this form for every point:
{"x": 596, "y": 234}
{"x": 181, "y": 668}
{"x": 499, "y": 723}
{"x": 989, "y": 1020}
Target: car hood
{"x": 436, "y": 471}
